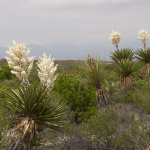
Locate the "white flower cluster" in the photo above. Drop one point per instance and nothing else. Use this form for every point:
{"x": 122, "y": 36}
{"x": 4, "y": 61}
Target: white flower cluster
{"x": 23, "y": 66}
{"x": 18, "y": 62}
{"x": 47, "y": 70}
{"x": 143, "y": 36}
{"x": 115, "y": 38}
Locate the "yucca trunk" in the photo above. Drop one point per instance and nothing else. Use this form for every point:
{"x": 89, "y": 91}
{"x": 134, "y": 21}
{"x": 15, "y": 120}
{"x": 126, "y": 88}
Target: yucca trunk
{"x": 146, "y": 70}
{"x": 101, "y": 98}
{"x": 126, "y": 83}
{"x": 21, "y": 135}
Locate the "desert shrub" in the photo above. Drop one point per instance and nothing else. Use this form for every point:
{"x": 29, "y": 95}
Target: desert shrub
{"x": 140, "y": 95}
{"x": 142, "y": 99}
{"x": 15, "y": 83}
{"x": 135, "y": 97}
{"x": 117, "y": 128}
{"x": 109, "y": 66}
{"x": 103, "y": 126}
{"x": 75, "y": 141}
{"x": 142, "y": 85}
{"x": 129, "y": 96}
{"x": 118, "y": 97}
{"x": 84, "y": 116}
{"x": 80, "y": 98}
{"x": 5, "y": 73}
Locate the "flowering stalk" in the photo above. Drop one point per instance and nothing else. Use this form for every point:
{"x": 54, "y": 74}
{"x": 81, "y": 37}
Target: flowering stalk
{"x": 19, "y": 63}
{"x": 115, "y": 38}
{"x": 143, "y": 36}
{"x": 46, "y": 72}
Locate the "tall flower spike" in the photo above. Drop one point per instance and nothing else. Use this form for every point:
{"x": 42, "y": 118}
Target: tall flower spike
{"x": 115, "y": 38}
{"x": 18, "y": 53}
{"x": 46, "y": 72}
{"x": 143, "y": 36}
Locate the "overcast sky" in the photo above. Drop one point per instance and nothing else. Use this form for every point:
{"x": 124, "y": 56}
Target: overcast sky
{"x": 77, "y": 21}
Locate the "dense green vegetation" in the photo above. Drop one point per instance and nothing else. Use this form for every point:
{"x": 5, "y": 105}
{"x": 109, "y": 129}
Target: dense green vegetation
{"x": 5, "y": 73}
{"x": 122, "y": 124}
{"x": 79, "y": 97}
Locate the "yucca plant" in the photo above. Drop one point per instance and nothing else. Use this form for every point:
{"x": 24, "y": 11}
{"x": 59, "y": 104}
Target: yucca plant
{"x": 125, "y": 69}
{"x": 95, "y": 74}
{"x": 144, "y": 57}
{"x": 33, "y": 108}
{"x": 126, "y": 53}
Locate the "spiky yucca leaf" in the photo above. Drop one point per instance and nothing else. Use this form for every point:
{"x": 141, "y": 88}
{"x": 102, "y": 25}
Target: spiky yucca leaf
{"x": 143, "y": 55}
{"x": 126, "y": 53}
{"x": 126, "y": 68}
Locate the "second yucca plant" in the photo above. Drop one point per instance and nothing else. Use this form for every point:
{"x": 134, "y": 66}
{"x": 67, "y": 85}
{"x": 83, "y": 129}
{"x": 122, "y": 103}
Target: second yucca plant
{"x": 125, "y": 67}
{"x": 95, "y": 74}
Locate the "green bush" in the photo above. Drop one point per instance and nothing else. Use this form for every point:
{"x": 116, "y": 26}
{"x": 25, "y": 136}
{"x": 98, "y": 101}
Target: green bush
{"x": 143, "y": 85}
{"x": 129, "y": 96}
{"x": 5, "y": 73}
{"x": 142, "y": 99}
{"x": 80, "y": 98}
{"x": 103, "y": 126}
{"x": 140, "y": 95}
{"x": 109, "y": 66}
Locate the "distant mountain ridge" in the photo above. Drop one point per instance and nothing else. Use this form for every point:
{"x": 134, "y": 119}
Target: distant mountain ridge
{"x": 64, "y": 51}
